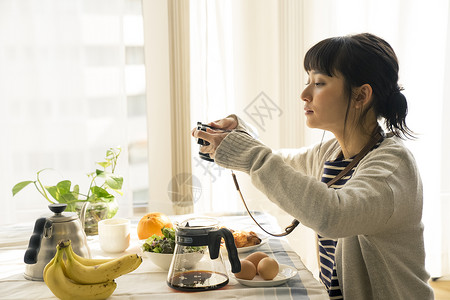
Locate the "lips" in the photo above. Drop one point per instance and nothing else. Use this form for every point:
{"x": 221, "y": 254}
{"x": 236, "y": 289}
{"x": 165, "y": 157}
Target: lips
{"x": 308, "y": 111}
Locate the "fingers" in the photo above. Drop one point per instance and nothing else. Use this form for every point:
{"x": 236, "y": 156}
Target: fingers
{"x": 215, "y": 135}
{"x": 214, "y": 139}
{"x": 226, "y": 123}
{"x": 207, "y": 149}
{"x": 216, "y": 124}
{"x": 200, "y": 134}
{"x": 222, "y": 124}
{"x": 206, "y": 135}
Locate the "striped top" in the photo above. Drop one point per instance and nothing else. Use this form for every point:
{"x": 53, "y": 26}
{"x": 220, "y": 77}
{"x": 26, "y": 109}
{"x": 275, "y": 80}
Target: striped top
{"x": 327, "y": 247}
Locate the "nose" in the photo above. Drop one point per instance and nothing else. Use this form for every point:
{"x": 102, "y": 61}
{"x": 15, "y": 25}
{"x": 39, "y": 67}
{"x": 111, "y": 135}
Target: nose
{"x": 306, "y": 95}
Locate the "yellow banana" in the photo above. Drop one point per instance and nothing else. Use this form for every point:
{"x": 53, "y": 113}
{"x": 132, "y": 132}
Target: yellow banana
{"x": 83, "y": 260}
{"x": 63, "y": 288}
{"x": 100, "y": 273}
{"x": 50, "y": 263}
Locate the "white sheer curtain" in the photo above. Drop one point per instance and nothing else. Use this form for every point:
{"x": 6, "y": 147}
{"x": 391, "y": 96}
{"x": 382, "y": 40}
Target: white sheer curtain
{"x": 72, "y": 85}
{"x": 253, "y": 42}
{"x": 233, "y": 70}
{"x": 212, "y": 94}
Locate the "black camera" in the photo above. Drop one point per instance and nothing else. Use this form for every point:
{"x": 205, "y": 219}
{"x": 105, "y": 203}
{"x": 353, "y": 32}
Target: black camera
{"x": 205, "y": 156}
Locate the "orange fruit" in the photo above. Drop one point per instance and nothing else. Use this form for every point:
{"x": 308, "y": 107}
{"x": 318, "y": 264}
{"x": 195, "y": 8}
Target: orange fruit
{"x": 151, "y": 224}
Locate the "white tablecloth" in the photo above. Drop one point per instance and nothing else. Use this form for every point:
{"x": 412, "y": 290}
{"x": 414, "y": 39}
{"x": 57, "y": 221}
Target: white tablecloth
{"x": 149, "y": 281}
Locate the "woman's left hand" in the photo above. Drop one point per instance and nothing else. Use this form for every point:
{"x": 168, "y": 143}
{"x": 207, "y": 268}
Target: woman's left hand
{"x": 212, "y": 136}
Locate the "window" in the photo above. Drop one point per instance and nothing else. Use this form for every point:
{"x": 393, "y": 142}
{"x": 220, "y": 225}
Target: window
{"x": 72, "y": 84}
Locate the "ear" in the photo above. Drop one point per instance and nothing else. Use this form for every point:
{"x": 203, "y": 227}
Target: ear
{"x": 363, "y": 95}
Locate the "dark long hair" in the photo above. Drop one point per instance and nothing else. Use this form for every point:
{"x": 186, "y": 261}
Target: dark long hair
{"x": 365, "y": 59}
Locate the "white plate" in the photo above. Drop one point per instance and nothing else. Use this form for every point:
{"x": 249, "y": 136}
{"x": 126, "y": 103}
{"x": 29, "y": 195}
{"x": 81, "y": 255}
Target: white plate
{"x": 250, "y": 248}
{"x": 284, "y": 274}
{"x": 246, "y": 249}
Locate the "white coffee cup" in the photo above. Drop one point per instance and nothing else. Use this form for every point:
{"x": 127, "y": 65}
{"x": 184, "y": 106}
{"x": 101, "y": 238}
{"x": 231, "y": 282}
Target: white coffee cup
{"x": 114, "y": 234}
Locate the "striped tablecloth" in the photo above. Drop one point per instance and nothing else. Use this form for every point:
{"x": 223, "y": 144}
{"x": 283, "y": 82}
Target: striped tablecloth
{"x": 149, "y": 281}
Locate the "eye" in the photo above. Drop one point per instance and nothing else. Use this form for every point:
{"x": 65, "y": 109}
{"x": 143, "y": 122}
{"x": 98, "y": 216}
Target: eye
{"x": 319, "y": 83}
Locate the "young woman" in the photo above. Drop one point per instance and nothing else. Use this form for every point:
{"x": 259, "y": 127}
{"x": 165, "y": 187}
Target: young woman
{"x": 368, "y": 222}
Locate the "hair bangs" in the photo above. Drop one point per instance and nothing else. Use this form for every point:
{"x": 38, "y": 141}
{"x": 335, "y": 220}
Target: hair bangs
{"x": 324, "y": 56}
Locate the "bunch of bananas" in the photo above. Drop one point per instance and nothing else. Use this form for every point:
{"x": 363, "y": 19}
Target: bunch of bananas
{"x": 83, "y": 278}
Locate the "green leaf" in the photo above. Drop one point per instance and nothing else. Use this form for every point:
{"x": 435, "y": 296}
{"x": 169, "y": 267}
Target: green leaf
{"x": 100, "y": 173}
{"x": 114, "y": 182}
{"x": 71, "y": 207}
{"x": 76, "y": 191}
{"x": 68, "y": 198}
{"x": 57, "y": 192}
{"x": 53, "y": 191}
{"x": 104, "y": 164}
{"x": 64, "y": 186}
{"x": 18, "y": 187}
{"x": 109, "y": 154}
{"x": 100, "y": 194}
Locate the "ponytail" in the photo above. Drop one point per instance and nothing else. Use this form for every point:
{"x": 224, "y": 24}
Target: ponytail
{"x": 394, "y": 108}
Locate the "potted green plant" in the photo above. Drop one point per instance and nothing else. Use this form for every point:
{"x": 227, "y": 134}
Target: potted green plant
{"x": 99, "y": 203}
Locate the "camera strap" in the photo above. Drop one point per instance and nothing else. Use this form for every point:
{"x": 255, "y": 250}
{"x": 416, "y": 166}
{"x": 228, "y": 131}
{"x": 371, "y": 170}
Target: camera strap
{"x": 378, "y": 137}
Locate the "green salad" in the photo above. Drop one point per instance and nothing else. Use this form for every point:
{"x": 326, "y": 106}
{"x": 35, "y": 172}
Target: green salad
{"x": 166, "y": 243}
{"x": 161, "y": 244}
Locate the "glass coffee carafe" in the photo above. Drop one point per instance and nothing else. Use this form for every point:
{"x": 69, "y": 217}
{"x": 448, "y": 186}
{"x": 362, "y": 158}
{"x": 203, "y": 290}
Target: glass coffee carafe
{"x": 197, "y": 263}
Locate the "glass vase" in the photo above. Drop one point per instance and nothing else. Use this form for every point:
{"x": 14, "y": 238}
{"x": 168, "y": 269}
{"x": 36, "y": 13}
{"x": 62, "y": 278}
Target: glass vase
{"x": 95, "y": 212}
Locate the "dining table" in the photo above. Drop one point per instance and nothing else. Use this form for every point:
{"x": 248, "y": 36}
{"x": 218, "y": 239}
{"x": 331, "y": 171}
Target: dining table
{"x": 149, "y": 281}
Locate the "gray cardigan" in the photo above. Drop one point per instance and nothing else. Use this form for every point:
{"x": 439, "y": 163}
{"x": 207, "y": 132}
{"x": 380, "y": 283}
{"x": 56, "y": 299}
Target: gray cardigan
{"x": 376, "y": 216}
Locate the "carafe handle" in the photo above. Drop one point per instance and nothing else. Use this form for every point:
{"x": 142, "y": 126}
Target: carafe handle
{"x": 35, "y": 242}
{"x": 214, "y": 239}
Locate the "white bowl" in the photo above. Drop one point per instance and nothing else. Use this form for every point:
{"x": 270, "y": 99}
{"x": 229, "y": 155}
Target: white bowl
{"x": 163, "y": 260}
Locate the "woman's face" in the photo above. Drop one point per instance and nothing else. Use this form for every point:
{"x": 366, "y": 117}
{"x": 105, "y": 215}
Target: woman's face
{"x": 325, "y": 102}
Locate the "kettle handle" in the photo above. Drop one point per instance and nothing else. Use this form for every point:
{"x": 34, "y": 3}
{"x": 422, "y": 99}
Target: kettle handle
{"x": 214, "y": 238}
{"x": 35, "y": 242}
